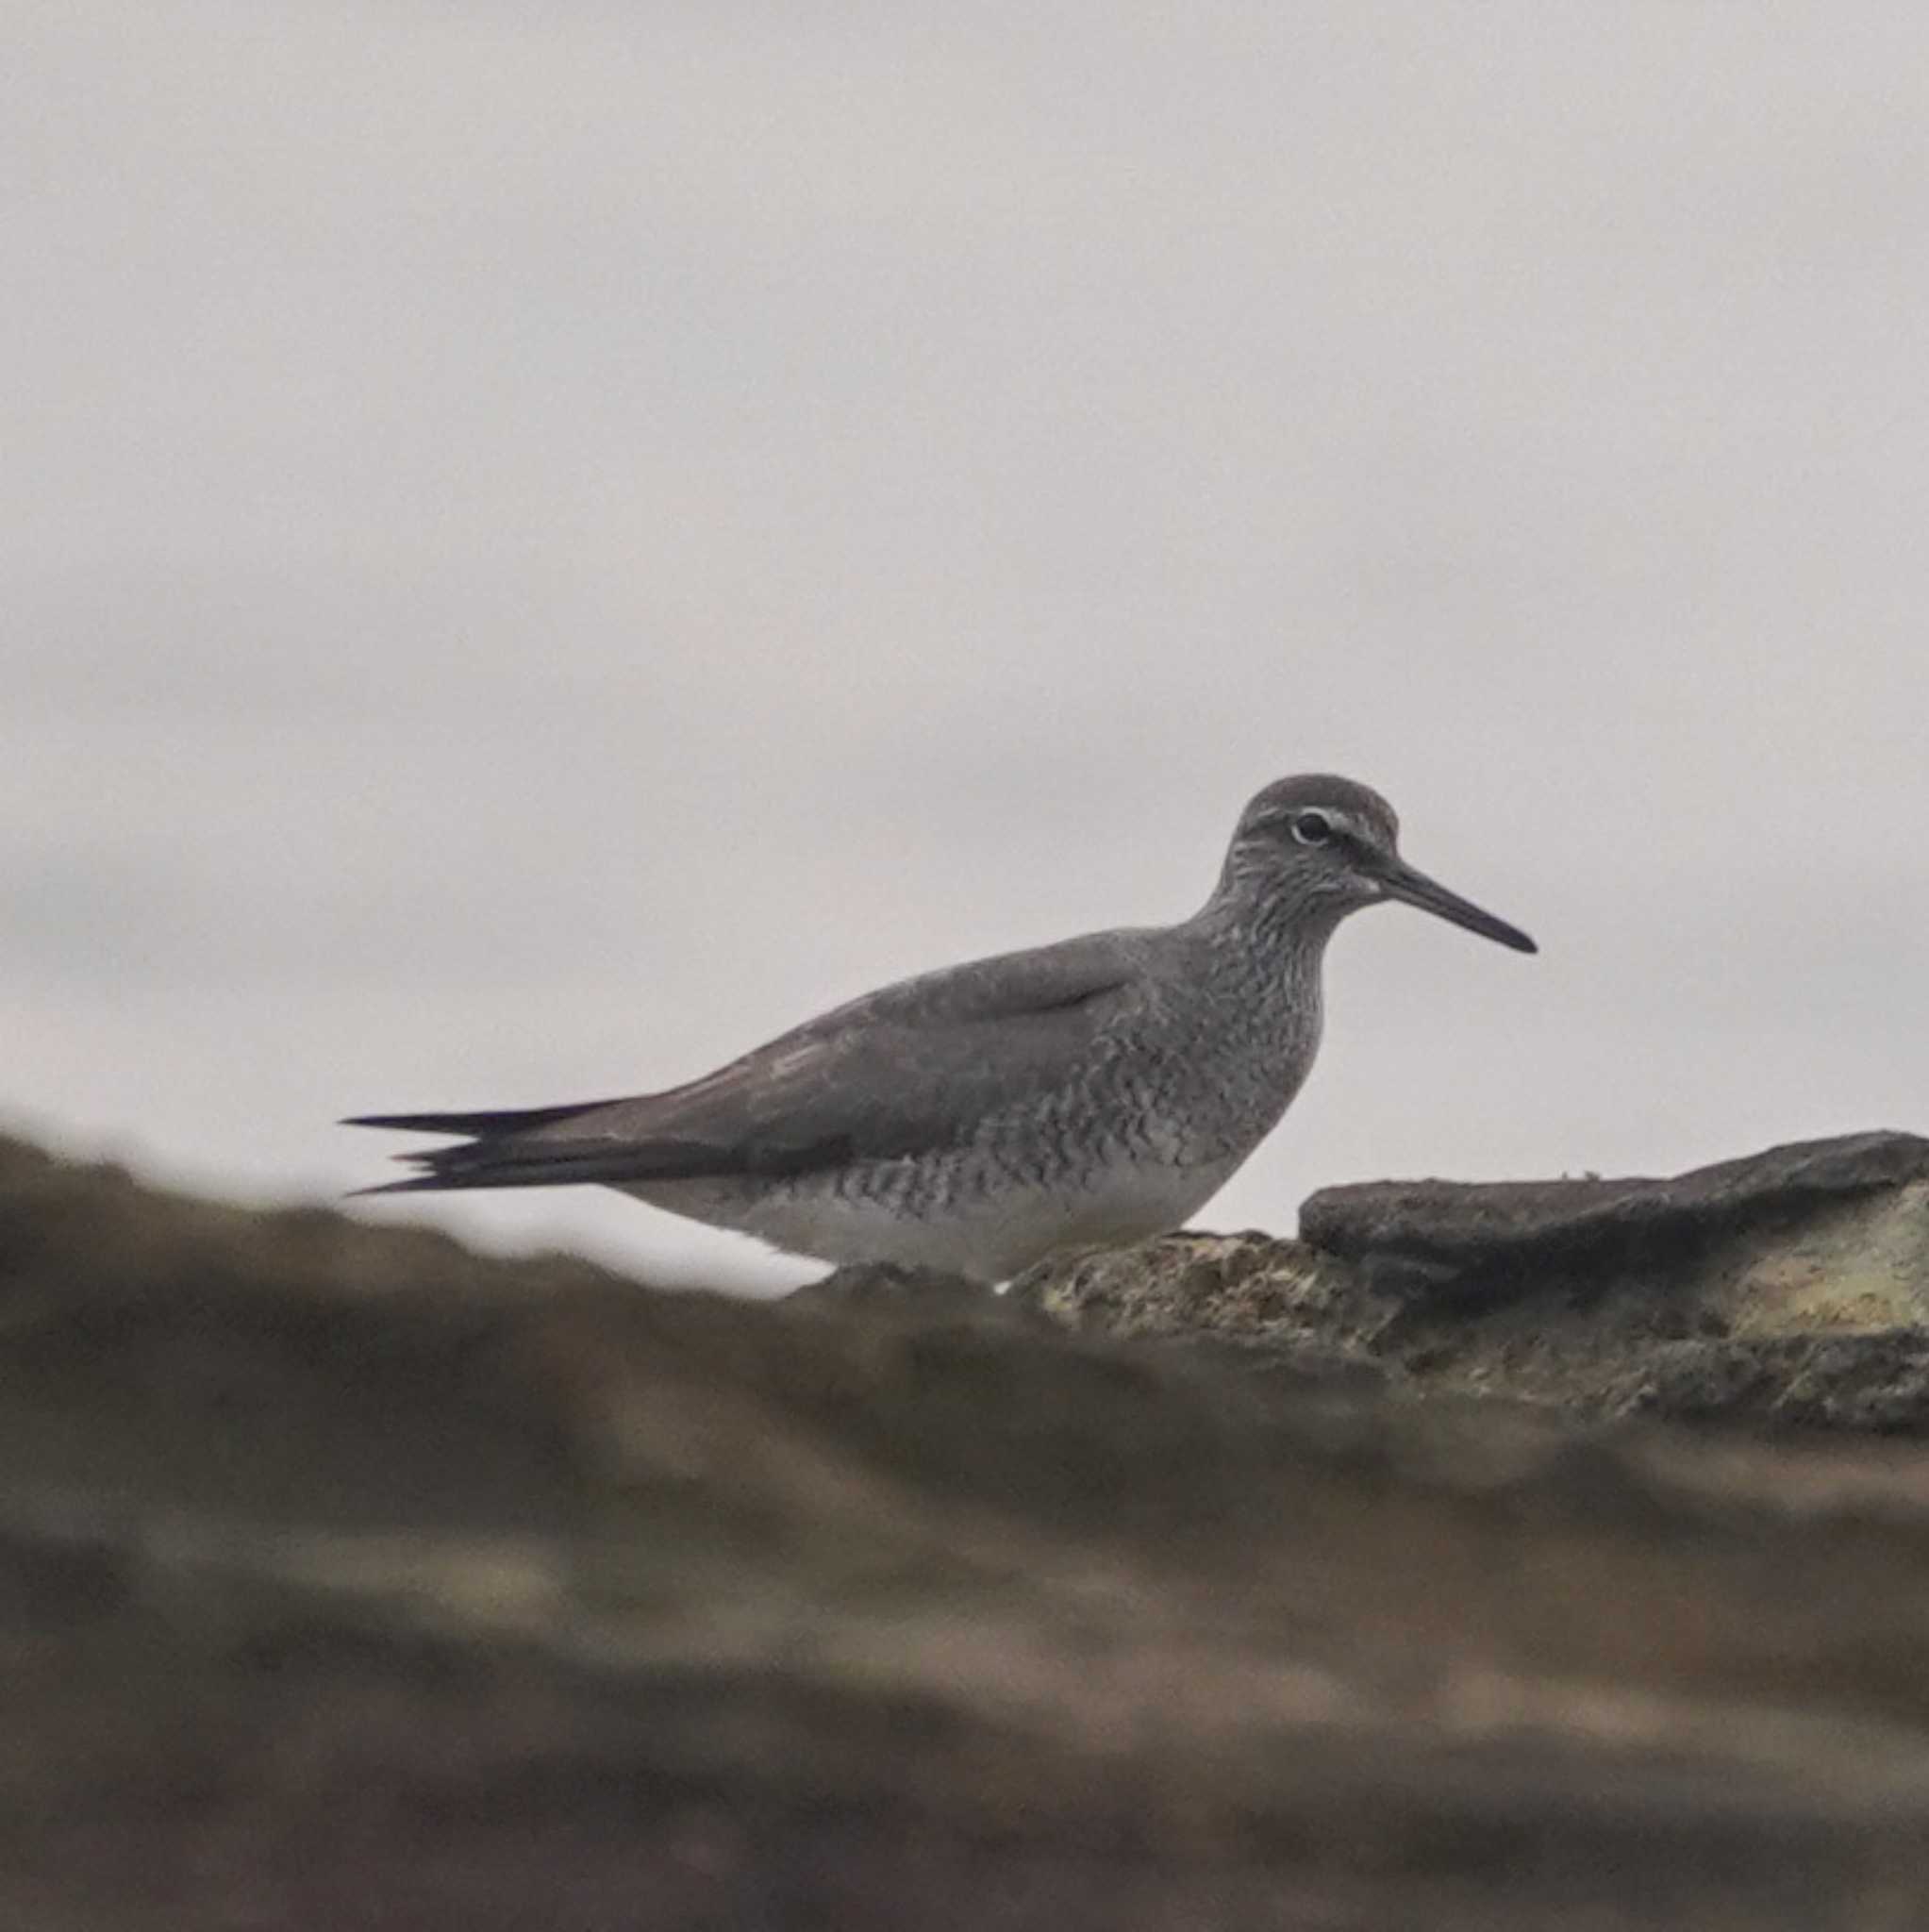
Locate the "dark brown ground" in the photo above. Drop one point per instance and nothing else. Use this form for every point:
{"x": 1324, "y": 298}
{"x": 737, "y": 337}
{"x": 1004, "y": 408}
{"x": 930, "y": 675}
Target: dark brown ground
{"x": 347, "y": 1580}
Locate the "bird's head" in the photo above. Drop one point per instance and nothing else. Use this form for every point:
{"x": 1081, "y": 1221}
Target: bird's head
{"x": 1320, "y": 847}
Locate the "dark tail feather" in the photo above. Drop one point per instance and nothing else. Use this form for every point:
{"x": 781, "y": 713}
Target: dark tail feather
{"x": 513, "y": 1174}
{"x": 513, "y": 1162}
{"x": 494, "y": 1156}
{"x": 503, "y": 1120}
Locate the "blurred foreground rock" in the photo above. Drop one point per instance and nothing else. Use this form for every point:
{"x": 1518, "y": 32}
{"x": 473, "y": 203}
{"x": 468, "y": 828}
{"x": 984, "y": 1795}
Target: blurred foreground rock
{"x": 348, "y": 1580}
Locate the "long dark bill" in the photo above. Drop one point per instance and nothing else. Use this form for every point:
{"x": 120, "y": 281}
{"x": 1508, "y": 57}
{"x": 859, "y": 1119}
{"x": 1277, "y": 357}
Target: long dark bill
{"x": 1402, "y": 882}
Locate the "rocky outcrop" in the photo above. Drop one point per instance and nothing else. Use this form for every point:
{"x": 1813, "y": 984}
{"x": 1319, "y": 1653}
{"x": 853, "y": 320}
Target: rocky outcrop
{"x": 1790, "y": 1288}
{"x": 347, "y": 1580}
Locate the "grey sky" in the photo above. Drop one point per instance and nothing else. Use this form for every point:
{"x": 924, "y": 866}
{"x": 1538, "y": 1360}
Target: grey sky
{"x": 540, "y": 547}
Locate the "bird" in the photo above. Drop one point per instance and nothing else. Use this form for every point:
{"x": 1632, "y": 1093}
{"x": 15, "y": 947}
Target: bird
{"x": 974, "y": 1120}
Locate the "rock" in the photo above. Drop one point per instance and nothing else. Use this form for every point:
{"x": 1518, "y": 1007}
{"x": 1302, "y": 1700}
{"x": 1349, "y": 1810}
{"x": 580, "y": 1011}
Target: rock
{"x": 349, "y": 1580}
{"x": 1286, "y": 1304}
{"x": 918, "y": 1294}
{"x": 1787, "y": 1289}
{"x": 1819, "y": 1234}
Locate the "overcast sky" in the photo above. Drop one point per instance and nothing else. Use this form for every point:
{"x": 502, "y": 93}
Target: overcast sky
{"x": 542, "y": 545}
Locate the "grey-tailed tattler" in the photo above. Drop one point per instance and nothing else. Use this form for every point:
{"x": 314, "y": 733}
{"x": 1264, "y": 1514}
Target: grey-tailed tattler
{"x": 980, "y": 1117}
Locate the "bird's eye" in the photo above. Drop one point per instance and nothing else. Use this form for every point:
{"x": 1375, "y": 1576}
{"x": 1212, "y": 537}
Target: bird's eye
{"x": 1312, "y": 829}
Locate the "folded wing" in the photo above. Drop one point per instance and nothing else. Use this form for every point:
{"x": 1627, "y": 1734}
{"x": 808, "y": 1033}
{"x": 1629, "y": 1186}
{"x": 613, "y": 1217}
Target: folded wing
{"x": 914, "y": 1068}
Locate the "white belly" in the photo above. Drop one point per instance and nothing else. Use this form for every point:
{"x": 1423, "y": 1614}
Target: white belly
{"x": 985, "y": 1239}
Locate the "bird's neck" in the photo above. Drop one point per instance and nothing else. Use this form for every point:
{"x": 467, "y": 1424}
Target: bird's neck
{"x": 1267, "y": 945}
{"x": 1263, "y": 917}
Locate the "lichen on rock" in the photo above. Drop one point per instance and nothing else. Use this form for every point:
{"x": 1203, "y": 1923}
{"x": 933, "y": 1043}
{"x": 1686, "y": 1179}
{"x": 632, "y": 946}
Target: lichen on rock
{"x": 1790, "y": 1288}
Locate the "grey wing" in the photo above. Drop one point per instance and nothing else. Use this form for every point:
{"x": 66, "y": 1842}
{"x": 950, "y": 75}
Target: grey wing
{"x": 915, "y": 1066}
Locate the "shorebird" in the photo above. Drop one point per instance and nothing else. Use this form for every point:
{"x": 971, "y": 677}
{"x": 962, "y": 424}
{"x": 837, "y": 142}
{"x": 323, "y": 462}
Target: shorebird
{"x": 978, "y": 1118}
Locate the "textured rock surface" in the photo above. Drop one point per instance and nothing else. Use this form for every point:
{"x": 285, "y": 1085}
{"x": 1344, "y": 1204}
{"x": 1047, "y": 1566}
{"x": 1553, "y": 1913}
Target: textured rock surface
{"x": 1789, "y": 1289}
{"x": 349, "y": 1581}
{"x": 1818, "y": 1234}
